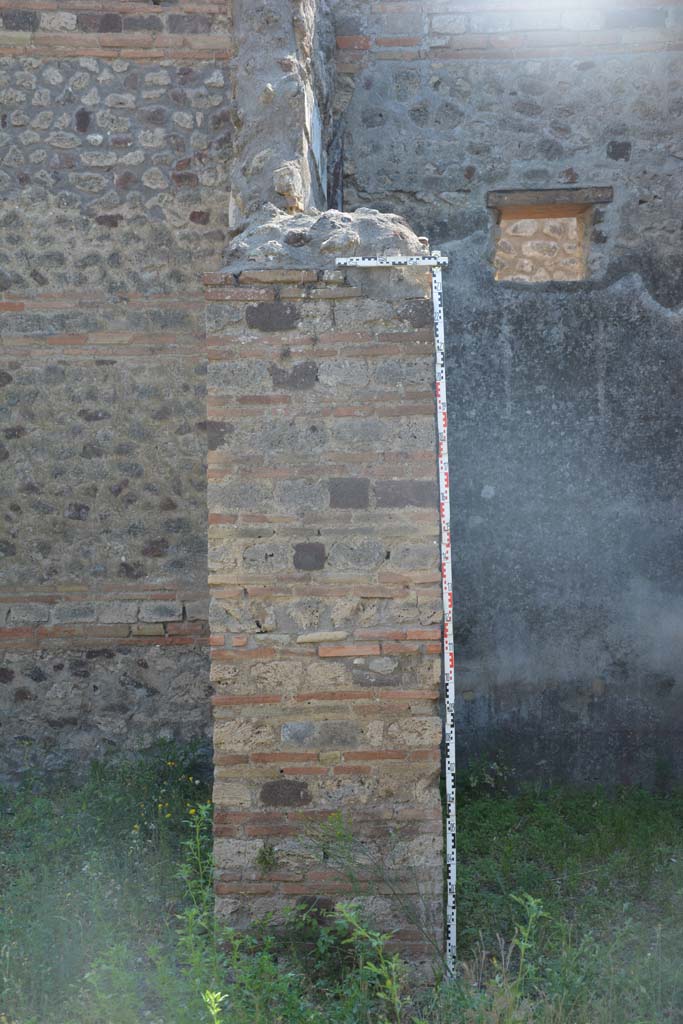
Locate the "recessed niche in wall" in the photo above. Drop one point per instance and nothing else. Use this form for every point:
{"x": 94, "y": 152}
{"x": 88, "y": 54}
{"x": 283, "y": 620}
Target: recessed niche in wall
{"x": 544, "y": 235}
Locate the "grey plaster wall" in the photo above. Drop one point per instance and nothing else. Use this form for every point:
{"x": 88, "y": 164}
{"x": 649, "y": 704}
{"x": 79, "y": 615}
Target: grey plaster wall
{"x": 565, "y": 399}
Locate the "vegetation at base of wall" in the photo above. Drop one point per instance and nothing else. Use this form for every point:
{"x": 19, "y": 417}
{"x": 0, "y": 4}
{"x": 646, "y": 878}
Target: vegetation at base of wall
{"x": 570, "y": 905}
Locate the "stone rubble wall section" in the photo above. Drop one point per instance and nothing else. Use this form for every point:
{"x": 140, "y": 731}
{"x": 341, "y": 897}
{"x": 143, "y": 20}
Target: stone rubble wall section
{"x": 118, "y": 171}
{"x": 91, "y": 693}
{"x": 543, "y": 249}
{"x": 325, "y": 589}
{"x": 103, "y": 539}
{"x": 115, "y": 156}
{"x": 453, "y": 124}
{"x": 103, "y": 443}
{"x": 432, "y": 121}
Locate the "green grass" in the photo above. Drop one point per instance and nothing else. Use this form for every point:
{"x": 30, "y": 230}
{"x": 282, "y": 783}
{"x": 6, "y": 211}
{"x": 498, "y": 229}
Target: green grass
{"x": 607, "y": 870}
{"x": 585, "y": 854}
{"x": 570, "y": 912}
{"x": 89, "y": 881}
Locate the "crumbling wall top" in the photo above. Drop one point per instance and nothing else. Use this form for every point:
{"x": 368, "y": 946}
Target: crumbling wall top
{"x": 314, "y": 239}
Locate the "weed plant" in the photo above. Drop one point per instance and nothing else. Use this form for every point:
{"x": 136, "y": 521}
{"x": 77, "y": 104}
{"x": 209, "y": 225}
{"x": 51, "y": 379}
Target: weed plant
{"x": 570, "y": 908}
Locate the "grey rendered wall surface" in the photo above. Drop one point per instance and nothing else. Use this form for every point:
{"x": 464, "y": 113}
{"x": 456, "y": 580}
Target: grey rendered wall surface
{"x": 565, "y": 399}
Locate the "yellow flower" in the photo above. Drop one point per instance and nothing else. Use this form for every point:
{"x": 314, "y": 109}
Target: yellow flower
{"x": 136, "y": 828}
{"x": 193, "y": 810}
{"x": 168, "y": 815}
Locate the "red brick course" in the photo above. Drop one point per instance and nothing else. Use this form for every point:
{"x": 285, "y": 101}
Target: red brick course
{"x": 501, "y": 29}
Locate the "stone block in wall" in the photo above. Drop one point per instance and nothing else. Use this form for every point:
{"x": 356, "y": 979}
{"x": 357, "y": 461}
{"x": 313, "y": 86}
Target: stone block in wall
{"x": 324, "y": 577}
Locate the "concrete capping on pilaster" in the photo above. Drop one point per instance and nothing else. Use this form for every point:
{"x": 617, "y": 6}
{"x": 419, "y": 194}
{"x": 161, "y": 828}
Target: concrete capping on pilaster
{"x": 312, "y": 241}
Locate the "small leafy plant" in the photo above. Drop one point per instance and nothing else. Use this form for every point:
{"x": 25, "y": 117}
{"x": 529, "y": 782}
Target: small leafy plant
{"x": 213, "y": 1002}
{"x": 267, "y": 858}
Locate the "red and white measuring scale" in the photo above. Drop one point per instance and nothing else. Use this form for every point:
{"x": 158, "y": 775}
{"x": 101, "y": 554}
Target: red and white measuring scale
{"x": 436, "y": 261}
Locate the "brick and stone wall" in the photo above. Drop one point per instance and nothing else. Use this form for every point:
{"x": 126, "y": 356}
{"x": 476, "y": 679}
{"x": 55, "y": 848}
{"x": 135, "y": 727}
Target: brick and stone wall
{"x": 324, "y": 579}
{"x": 115, "y": 156}
{"x": 181, "y": 30}
{"x": 135, "y": 150}
{"x": 146, "y": 146}
{"x": 103, "y": 592}
{"x": 563, "y": 396}
{"x": 532, "y": 248}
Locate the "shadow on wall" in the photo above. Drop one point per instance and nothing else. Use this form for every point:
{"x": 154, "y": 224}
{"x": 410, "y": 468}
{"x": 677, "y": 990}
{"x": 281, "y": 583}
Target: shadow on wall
{"x": 565, "y": 438}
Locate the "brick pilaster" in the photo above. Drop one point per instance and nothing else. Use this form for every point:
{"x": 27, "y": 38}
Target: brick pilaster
{"x": 324, "y": 577}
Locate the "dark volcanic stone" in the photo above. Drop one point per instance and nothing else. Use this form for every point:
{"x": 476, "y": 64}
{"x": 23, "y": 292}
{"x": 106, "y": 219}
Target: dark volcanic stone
{"x": 309, "y": 557}
{"x": 131, "y": 570}
{"x": 77, "y": 511}
{"x": 399, "y": 493}
{"x": 87, "y": 22}
{"x": 91, "y": 450}
{"x": 193, "y": 24}
{"x": 142, "y": 23}
{"x": 82, "y": 120}
{"x": 156, "y": 548}
{"x": 20, "y": 21}
{"x": 273, "y": 316}
{"x": 216, "y": 433}
{"x": 285, "y": 793}
{"x": 349, "y": 492}
{"x": 299, "y": 378}
{"x": 619, "y": 150}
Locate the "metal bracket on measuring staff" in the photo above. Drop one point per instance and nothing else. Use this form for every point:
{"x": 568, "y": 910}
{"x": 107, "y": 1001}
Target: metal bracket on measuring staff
{"x": 436, "y": 261}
